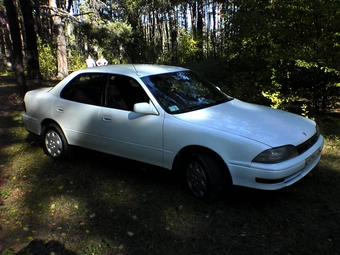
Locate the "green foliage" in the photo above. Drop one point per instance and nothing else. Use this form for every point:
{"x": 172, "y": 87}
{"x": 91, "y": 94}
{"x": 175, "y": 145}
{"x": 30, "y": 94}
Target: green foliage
{"x": 275, "y": 98}
{"x": 293, "y": 48}
{"x": 4, "y": 193}
{"x": 76, "y": 61}
{"x": 8, "y": 252}
{"x": 305, "y": 110}
{"x": 47, "y": 59}
{"x": 107, "y": 37}
{"x": 187, "y": 48}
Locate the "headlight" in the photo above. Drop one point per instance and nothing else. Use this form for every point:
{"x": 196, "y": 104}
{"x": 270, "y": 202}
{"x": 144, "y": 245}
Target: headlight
{"x": 276, "y": 155}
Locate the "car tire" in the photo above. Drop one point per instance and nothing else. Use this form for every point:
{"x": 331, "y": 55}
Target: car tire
{"x": 54, "y": 142}
{"x": 204, "y": 177}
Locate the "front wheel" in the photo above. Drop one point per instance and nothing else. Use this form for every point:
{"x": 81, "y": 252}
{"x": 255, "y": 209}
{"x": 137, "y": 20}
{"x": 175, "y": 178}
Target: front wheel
{"x": 204, "y": 175}
{"x": 54, "y": 142}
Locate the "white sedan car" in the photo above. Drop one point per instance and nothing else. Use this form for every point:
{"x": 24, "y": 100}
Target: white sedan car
{"x": 170, "y": 117}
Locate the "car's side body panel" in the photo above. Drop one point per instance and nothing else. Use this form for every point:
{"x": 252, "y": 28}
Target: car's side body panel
{"x": 78, "y": 121}
{"x": 179, "y": 134}
{"x": 38, "y": 105}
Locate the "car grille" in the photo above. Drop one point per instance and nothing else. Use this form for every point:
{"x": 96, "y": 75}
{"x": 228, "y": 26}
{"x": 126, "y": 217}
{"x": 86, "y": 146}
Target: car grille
{"x": 309, "y": 143}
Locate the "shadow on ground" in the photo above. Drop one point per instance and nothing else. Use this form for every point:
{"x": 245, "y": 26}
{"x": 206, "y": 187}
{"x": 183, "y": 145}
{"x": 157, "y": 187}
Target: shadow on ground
{"x": 39, "y": 247}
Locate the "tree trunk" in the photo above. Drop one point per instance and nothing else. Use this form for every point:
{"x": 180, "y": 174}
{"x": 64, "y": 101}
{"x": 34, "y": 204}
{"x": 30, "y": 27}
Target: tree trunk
{"x": 33, "y": 69}
{"x": 61, "y": 41}
{"x": 5, "y": 44}
{"x": 18, "y": 65}
{"x": 199, "y": 34}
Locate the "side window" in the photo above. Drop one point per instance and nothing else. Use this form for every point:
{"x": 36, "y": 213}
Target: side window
{"x": 85, "y": 88}
{"x": 123, "y": 92}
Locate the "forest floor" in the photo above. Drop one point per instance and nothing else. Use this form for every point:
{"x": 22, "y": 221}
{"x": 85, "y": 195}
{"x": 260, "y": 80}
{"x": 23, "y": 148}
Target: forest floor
{"x": 101, "y": 204}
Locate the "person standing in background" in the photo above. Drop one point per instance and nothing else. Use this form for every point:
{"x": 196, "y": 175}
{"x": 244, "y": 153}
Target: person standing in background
{"x": 90, "y": 61}
{"x": 102, "y": 61}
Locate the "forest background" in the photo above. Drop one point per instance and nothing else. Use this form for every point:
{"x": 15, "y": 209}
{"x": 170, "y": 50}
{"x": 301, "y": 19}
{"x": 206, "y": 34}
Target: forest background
{"x": 265, "y": 51}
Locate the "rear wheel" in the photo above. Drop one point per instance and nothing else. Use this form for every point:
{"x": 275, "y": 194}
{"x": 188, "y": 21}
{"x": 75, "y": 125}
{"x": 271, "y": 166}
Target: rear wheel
{"x": 204, "y": 177}
{"x": 54, "y": 142}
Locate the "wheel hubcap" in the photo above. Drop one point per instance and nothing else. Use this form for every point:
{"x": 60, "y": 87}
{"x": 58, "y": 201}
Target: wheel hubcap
{"x": 53, "y": 143}
{"x": 196, "y": 178}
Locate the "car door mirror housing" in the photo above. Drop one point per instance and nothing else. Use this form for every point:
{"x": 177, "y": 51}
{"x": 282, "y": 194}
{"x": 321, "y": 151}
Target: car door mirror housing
{"x": 145, "y": 108}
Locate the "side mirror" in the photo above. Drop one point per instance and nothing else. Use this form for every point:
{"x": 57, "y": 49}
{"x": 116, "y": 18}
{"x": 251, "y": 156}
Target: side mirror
{"x": 145, "y": 108}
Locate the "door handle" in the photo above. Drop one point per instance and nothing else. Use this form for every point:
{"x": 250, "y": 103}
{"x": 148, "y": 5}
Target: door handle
{"x": 106, "y": 119}
{"x": 60, "y": 109}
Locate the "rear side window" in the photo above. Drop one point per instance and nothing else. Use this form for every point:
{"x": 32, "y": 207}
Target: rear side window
{"x": 85, "y": 88}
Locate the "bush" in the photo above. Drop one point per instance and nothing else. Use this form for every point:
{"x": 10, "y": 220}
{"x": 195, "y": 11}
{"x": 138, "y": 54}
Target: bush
{"x": 76, "y": 61}
{"x": 47, "y": 60}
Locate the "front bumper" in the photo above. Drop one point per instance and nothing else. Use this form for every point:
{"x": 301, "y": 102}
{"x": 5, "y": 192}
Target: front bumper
{"x": 279, "y": 175}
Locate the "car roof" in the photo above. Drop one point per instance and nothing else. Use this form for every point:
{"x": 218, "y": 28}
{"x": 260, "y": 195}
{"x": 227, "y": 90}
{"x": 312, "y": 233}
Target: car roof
{"x": 135, "y": 70}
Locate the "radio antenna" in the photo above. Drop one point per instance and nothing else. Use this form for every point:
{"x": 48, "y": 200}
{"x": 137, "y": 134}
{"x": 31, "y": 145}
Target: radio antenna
{"x": 135, "y": 68}
{"x": 133, "y": 65}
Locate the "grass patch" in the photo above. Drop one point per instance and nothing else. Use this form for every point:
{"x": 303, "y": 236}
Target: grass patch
{"x": 100, "y": 204}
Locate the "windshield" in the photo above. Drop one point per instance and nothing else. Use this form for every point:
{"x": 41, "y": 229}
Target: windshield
{"x": 184, "y": 91}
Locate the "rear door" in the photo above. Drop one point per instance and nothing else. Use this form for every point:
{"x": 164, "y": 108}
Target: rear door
{"x": 78, "y": 107}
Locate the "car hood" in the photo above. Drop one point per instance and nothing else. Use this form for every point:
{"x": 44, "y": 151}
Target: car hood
{"x": 264, "y": 124}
